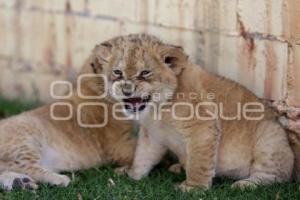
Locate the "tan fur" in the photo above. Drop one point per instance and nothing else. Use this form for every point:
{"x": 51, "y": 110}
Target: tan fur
{"x": 252, "y": 152}
{"x": 34, "y": 147}
{"x": 294, "y": 139}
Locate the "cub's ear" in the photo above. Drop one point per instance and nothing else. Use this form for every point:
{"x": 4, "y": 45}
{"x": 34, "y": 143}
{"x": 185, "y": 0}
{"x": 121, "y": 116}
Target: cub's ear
{"x": 96, "y": 67}
{"x": 103, "y": 52}
{"x": 174, "y": 57}
{"x": 91, "y": 65}
{"x": 100, "y": 54}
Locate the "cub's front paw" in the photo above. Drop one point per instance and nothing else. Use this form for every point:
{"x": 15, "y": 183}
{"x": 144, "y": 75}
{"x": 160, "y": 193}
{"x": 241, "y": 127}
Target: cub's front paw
{"x": 122, "y": 170}
{"x": 244, "y": 184}
{"x": 175, "y": 168}
{"x": 129, "y": 171}
{"x": 10, "y": 180}
{"x": 134, "y": 175}
{"x": 60, "y": 180}
{"x": 184, "y": 187}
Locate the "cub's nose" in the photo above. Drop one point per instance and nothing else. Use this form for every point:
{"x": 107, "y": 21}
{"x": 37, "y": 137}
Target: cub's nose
{"x": 128, "y": 89}
{"x": 128, "y": 94}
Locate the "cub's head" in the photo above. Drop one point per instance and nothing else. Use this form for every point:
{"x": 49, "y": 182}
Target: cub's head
{"x": 137, "y": 67}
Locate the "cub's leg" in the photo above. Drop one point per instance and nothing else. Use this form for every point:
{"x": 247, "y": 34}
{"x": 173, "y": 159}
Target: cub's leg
{"x": 23, "y": 161}
{"x": 202, "y": 142}
{"x": 293, "y": 131}
{"x": 24, "y": 175}
{"x": 148, "y": 153}
{"x": 294, "y": 139}
{"x": 29, "y": 164}
{"x": 273, "y": 157}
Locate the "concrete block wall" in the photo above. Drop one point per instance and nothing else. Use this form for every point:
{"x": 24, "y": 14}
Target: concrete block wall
{"x": 254, "y": 42}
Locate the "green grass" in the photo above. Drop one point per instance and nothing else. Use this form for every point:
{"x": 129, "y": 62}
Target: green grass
{"x": 96, "y": 184}
{"x": 12, "y": 107}
{"x": 103, "y": 183}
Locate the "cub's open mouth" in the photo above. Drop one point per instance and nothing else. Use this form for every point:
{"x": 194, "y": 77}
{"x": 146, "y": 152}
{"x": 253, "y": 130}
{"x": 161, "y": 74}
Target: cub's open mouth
{"x": 136, "y": 103}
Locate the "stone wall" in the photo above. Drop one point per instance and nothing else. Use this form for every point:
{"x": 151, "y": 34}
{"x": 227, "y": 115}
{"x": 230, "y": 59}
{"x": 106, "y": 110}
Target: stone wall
{"x": 254, "y": 42}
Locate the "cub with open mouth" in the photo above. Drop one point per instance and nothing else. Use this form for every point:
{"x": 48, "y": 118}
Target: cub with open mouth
{"x": 134, "y": 73}
{"x": 253, "y": 152}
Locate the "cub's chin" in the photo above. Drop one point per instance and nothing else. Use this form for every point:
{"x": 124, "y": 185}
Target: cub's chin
{"x": 133, "y": 105}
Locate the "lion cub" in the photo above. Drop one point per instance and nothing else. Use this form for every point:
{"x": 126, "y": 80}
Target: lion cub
{"x": 213, "y": 125}
{"x": 34, "y": 147}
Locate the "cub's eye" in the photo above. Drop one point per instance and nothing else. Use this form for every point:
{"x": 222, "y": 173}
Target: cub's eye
{"x": 145, "y": 73}
{"x": 117, "y": 72}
